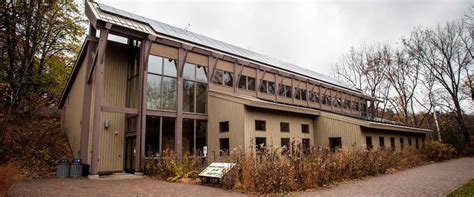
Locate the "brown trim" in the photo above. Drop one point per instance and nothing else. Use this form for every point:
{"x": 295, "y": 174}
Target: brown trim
{"x": 149, "y": 112}
{"x": 86, "y": 107}
{"x": 143, "y": 70}
{"x": 182, "y": 54}
{"x": 123, "y": 110}
{"x": 195, "y": 116}
{"x": 99, "y": 88}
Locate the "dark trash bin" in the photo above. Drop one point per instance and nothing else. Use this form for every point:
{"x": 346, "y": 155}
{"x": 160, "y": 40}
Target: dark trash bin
{"x": 76, "y": 168}
{"x": 63, "y": 168}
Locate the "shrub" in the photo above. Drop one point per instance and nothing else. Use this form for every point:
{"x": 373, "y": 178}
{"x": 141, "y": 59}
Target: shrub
{"x": 169, "y": 168}
{"x": 436, "y": 151}
{"x": 8, "y": 177}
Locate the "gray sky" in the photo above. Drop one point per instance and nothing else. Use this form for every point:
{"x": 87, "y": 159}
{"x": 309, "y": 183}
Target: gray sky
{"x": 310, "y": 34}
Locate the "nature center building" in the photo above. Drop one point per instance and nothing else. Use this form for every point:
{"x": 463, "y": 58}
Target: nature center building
{"x": 140, "y": 87}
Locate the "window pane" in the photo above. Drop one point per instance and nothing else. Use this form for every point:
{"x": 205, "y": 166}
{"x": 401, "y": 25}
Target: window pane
{"x": 285, "y": 142}
{"x": 201, "y": 73}
{"x": 188, "y": 96}
{"x": 260, "y": 143}
{"x": 201, "y": 135}
{"x": 153, "y": 91}
{"x": 284, "y": 127}
{"x": 201, "y": 98}
{"x": 188, "y": 71}
{"x": 288, "y": 91}
{"x": 152, "y": 136}
{"x": 243, "y": 82}
{"x": 260, "y": 125}
{"x": 251, "y": 83}
{"x": 169, "y": 93}
{"x": 303, "y": 95}
{"x": 168, "y": 130}
{"x": 155, "y": 64}
{"x": 218, "y": 77}
{"x": 281, "y": 90}
{"x": 224, "y": 144}
{"x": 271, "y": 87}
{"x": 224, "y": 126}
{"x": 305, "y": 128}
{"x": 170, "y": 67}
{"x": 297, "y": 93}
{"x": 228, "y": 78}
{"x": 188, "y": 136}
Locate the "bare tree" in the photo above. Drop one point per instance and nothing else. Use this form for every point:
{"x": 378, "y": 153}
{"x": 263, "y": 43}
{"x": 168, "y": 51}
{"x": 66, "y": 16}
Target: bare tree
{"x": 364, "y": 68}
{"x": 445, "y": 53}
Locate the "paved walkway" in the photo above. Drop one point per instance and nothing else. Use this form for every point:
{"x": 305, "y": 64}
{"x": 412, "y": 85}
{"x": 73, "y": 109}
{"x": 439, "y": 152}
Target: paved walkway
{"x": 436, "y": 179}
{"x": 430, "y": 180}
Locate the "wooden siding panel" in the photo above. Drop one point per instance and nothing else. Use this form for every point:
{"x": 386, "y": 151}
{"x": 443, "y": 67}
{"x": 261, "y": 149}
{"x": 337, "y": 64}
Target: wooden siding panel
{"x": 273, "y": 133}
{"x": 164, "y": 51}
{"x": 224, "y": 110}
{"x": 73, "y": 111}
{"x": 197, "y": 59}
{"x": 326, "y": 127}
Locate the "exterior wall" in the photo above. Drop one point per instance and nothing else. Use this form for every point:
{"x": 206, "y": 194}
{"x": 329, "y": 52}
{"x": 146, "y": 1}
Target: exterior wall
{"x": 327, "y": 126}
{"x": 72, "y": 111}
{"x": 111, "y": 141}
{"x": 273, "y": 133}
{"x": 375, "y": 134}
{"x": 224, "y": 110}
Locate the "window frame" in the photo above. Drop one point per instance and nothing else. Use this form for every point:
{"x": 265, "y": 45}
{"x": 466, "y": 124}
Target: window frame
{"x": 303, "y": 126}
{"x": 283, "y": 128}
{"x": 264, "y": 125}
{"x": 224, "y": 127}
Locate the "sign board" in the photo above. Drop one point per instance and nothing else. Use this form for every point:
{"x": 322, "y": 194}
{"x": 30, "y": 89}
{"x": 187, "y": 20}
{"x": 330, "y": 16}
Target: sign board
{"x": 216, "y": 170}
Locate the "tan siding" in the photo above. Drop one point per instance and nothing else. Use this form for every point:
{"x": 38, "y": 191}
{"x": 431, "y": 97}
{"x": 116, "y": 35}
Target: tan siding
{"x": 197, "y": 59}
{"x": 273, "y": 119}
{"x": 225, "y": 65}
{"x": 375, "y": 134}
{"x": 164, "y": 51}
{"x": 225, "y": 110}
{"x": 73, "y": 111}
{"x": 111, "y": 142}
{"x": 326, "y": 127}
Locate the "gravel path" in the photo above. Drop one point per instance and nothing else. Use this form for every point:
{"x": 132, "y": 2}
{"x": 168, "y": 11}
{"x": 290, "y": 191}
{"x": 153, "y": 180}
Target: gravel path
{"x": 430, "y": 180}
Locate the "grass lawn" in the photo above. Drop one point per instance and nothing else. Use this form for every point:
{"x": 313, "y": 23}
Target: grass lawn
{"x": 465, "y": 190}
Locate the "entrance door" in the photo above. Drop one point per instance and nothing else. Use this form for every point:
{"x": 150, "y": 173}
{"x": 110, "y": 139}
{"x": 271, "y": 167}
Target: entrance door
{"x": 130, "y": 153}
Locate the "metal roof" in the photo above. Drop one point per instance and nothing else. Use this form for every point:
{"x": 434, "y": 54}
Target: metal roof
{"x": 188, "y": 36}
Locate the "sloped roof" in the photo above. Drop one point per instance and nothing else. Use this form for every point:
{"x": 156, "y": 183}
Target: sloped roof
{"x": 110, "y": 14}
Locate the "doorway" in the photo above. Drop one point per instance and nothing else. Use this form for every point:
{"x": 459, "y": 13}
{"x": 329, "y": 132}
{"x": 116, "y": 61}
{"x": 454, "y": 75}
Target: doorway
{"x": 130, "y": 152}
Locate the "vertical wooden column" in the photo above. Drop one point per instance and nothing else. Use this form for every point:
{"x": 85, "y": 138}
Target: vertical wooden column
{"x": 142, "y": 102}
{"x": 86, "y": 102}
{"x": 99, "y": 87}
{"x": 182, "y": 53}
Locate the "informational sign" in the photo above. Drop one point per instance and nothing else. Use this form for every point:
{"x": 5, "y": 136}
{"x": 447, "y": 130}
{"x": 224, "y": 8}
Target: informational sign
{"x": 216, "y": 170}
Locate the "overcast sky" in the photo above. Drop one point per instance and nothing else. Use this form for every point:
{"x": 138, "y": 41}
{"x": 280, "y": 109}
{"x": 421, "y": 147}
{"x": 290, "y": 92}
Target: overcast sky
{"x": 311, "y": 34}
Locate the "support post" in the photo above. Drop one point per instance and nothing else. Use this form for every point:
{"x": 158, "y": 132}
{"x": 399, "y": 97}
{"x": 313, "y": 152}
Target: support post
{"x": 99, "y": 87}
{"x": 182, "y": 53}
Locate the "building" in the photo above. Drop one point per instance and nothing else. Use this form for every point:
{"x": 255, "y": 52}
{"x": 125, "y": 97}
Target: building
{"x": 140, "y": 86}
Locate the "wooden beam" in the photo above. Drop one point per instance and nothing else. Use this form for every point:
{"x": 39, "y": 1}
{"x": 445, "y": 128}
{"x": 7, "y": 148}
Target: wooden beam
{"x": 182, "y": 53}
{"x": 123, "y": 110}
{"x": 142, "y": 102}
{"x": 99, "y": 87}
{"x": 86, "y": 106}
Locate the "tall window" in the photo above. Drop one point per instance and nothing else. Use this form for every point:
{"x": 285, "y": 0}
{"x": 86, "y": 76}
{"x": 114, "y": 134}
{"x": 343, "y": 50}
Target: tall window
{"x": 417, "y": 143}
{"x": 401, "y": 143}
{"x": 368, "y": 142}
{"x": 409, "y": 142}
{"x": 284, "y": 127}
{"x": 159, "y": 134}
{"x": 223, "y": 77}
{"x": 224, "y": 145}
{"x": 392, "y": 143}
{"x": 335, "y": 143}
{"x": 381, "y": 142}
{"x": 194, "y": 136}
{"x": 300, "y": 94}
{"x": 194, "y": 88}
{"x": 306, "y": 145}
{"x": 161, "y": 83}
{"x": 260, "y": 143}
